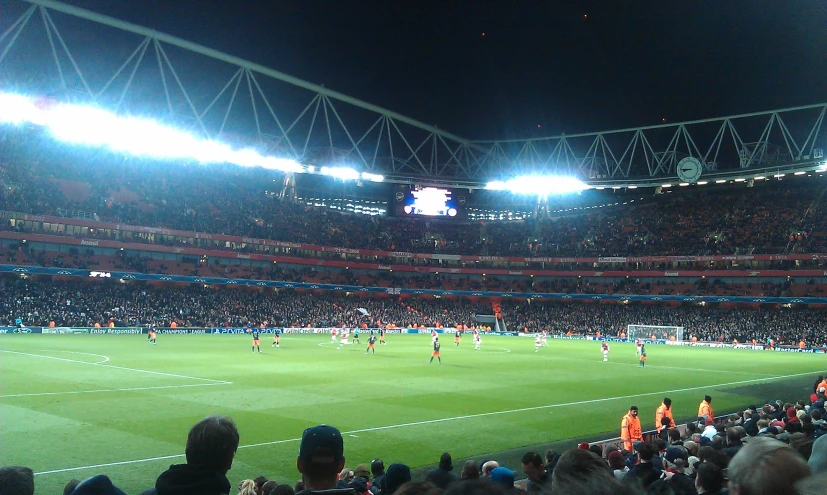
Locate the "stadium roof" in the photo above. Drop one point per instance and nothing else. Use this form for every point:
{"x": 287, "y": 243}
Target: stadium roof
{"x": 45, "y": 51}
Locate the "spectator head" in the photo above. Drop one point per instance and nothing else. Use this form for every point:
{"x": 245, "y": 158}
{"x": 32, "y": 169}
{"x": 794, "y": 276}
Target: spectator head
{"x": 503, "y": 477}
{"x": 70, "y": 487}
{"x": 97, "y": 485}
{"x": 212, "y": 443}
{"x": 470, "y": 471}
{"x": 818, "y": 456}
{"x": 616, "y": 460}
{"x": 583, "y": 472}
{"x": 676, "y": 457}
{"x": 362, "y": 471}
{"x": 674, "y": 435}
{"x": 359, "y": 485}
{"x": 691, "y": 447}
{"x": 633, "y": 411}
{"x": 733, "y": 436}
{"x": 346, "y": 475}
{"x": 766, "y": 466}
{"x": 418, "y": 488}
{"x": 445, "y": 462}
{"x": 247, "y": 487}
{"x": 269, "y": 485}
{"x": 691, "y": 428}
{"x": 321, "y": 457}
{"x": 396, "y": 476}
{"x": 377, "y": 467}
{"x": 667, "y": 402}
{"x": 708, "y": 399}
{"x": 16, "y": 480}
{"x": 802, "y": 444}
{"x": 533, "y": 466}
{"x": 596, "y": 449}
{"x": 647, "y": 452}
{"x": 487, "y": 468}
{"x": 709, "y": 478}
{"x": 260, "y": 481}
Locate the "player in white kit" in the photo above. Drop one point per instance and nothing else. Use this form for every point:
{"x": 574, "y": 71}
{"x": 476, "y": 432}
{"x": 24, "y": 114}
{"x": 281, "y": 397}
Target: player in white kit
{"x": 605, "y": 347}
{"x": 538, "y": 342}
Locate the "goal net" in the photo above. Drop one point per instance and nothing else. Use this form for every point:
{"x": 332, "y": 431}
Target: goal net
{"x": 657, "y": 332}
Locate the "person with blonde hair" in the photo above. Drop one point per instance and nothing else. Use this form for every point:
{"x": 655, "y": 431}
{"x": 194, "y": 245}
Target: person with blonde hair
{"x": 247, "y": 487}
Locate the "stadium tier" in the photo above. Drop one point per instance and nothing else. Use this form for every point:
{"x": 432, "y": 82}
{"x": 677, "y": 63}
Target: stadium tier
{"x": 231, "y": 207}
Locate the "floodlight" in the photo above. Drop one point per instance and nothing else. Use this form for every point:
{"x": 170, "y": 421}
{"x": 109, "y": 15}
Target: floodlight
{"x": 538, "y": 185}
{"x": 373, "y": 177}
{"x": 344, "y": 173}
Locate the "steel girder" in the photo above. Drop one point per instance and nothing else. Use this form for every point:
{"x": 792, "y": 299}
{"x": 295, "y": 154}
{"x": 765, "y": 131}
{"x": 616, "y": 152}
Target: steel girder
{"x": 45, "y": 49}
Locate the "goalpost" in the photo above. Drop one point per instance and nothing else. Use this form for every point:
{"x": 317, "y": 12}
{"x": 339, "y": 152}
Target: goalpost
{"x": 645, "y": 332}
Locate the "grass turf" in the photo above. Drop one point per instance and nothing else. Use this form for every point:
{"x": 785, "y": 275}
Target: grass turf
{"x": 59, "y": 412}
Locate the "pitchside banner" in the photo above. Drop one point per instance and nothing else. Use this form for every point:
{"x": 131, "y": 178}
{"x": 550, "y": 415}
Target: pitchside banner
{"x": 20, "y": 330}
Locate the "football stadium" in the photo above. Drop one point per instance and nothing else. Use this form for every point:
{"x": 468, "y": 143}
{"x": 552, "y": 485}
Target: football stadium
{"x": 220, "y": 277}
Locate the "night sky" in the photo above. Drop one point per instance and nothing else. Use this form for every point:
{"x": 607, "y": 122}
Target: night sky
{"x": 500, "y": 69}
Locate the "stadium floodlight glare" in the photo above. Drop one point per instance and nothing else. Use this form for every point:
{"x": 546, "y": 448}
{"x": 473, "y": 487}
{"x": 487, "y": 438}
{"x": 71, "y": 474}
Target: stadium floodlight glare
{"x": 632, "y": 187}
{"x": 666, "y": 185}
{"x": 683, "y": 184}
{"x": 720, "y": 181}
{"x": 92, "y": 126}
{"x": 539, "y": 185}
{"x": 373, "y": 177}
{"x": 740, "y": 179}
{"x": 760, "y": 177}
{"x": 703, "y": 183}
{"x": 799, "y": 173}
{"x": 778, "y": 176}
{"x": 344, "y": 173}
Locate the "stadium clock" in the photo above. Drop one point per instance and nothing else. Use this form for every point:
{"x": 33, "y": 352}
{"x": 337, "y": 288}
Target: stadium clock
{"x": 689, "y": 169}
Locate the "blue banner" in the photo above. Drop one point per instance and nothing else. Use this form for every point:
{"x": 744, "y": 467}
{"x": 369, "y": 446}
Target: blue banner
{"x": 75, "y": 272}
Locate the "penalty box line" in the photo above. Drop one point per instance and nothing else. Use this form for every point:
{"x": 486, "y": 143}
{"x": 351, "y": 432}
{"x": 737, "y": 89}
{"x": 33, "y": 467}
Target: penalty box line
{"x": 443, "y": 420}
{"x": 105, "y": 365}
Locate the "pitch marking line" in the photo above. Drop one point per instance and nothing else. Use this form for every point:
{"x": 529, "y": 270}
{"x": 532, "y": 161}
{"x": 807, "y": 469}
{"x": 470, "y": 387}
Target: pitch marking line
{"x": 442, "y": 420}
{"x": 102, "y": 364}
{"x": 132, "y": 389}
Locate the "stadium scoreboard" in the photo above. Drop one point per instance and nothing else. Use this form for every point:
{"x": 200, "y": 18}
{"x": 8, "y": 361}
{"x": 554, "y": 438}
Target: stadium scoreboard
{"x": 428, "y": 201}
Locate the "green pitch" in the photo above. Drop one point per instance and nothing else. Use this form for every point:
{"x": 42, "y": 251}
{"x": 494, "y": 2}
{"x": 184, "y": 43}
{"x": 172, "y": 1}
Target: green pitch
{"x": 123, "y": 405}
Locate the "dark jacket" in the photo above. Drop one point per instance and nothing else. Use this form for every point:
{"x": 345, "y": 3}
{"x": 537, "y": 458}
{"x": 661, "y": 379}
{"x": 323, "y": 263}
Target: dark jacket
{"x": 681, "y": 484}
{"x": 185, "y": 479}
{"x": 441, "y": 477}
{"x": 643, "y": 474}
{"x": 732, "y": 449}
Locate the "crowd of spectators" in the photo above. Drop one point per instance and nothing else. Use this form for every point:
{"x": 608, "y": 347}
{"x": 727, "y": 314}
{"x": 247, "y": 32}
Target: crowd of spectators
{"x": 188, "y": 266}
{"x": 782, "y": 217}
{"x": 82, "y": 303}
{"x": 765, "y": 450}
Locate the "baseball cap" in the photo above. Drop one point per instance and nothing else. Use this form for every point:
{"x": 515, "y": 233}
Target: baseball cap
{"x": 321, "y": 444}
{"x": 362, "y": 470}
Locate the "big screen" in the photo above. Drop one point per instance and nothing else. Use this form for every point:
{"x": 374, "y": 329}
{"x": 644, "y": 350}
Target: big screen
{"x": 428, "y": 202}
